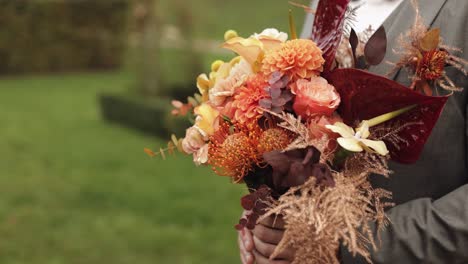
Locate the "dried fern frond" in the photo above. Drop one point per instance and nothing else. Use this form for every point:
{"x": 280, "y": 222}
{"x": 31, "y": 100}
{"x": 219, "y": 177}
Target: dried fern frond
{"x": 304, "y": 137}
{"x": 350, "y": 18}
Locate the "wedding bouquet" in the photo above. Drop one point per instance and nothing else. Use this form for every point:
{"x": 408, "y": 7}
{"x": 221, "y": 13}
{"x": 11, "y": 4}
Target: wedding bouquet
{"x": 304, "y": 133}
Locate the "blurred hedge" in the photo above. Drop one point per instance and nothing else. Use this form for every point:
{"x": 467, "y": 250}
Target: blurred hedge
{"x": 61, "y": 35}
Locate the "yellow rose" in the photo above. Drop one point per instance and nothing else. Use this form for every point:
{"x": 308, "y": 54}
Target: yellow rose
{"x": 206, "y": 117}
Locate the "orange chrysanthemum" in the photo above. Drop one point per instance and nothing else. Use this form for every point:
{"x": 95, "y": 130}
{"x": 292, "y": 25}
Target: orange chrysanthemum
{"x": 246, "y": 100}
{"x": 274, "y": 139}
{"x": 299, "y": 58}
{"x": 233, "y": 150}
{"x": 431, "y": 66}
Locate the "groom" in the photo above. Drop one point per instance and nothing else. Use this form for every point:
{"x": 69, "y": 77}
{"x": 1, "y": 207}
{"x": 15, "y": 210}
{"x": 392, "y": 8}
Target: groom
{"x": 430, "y": 222}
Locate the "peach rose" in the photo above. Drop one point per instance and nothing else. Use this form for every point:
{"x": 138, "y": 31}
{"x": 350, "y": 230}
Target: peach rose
{"x": 315, "y": 97}
{"x": 318, "y": 130}
{"x": 317, "y": 125}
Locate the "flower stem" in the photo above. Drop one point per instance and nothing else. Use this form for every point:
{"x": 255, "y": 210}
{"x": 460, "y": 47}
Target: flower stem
{"x": 388, "y": 116}
{"x": 292, "y": 25}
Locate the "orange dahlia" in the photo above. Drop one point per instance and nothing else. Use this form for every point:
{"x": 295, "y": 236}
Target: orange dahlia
{"x": 299, "y": 58}
{"x": 232, "y": 150}
{"x": 246, "y": 100}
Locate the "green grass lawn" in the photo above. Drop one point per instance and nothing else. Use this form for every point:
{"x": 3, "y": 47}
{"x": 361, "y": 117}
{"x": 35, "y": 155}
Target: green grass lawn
{"x": 74, "y": 189}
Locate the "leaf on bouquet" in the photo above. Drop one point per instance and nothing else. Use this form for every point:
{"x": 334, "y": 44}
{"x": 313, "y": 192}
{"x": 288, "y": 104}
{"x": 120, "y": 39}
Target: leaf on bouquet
{"x": 293, "y": 168}
{"x": 257, "y": 203}
{"x": 328, "y": 28}
{"x": 376, "y": 47}
{"x": 365, "y": 95}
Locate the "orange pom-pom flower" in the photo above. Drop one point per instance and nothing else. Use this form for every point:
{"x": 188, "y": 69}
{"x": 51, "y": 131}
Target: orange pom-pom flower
{"x": 232, "y": 150}
{"x": 299, "y": 59}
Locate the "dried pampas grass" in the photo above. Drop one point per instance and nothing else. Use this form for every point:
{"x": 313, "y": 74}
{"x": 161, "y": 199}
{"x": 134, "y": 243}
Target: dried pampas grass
{"x": 319, "y": 219}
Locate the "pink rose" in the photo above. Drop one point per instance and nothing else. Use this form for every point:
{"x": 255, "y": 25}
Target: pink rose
{"x": 193, "y": 140}
{"x": 314, "y": 97}
{"x": 194, "y": 143}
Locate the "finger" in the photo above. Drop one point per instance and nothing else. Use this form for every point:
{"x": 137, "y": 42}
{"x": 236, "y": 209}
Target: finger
{"x": 267, "y": 250}
{"x": 246, "y": 255}
{"x": 262, "y": 260}
{"x": 274, "y": 221}
{"x": 268, "y": 235}
{"x": 241, "y": 249}
{"x": 247, "y": 239}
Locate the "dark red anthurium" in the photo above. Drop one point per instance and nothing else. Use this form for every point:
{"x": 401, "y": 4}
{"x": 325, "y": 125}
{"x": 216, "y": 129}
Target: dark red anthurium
{"x": 365, "y": 95}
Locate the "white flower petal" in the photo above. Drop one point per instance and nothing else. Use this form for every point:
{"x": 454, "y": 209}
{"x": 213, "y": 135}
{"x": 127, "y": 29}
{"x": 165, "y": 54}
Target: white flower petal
{"x": 272, "y": 33}
{"x": 377, "y": 146}
{"x": 342, "y": 129}
{"x": 351, "y": 144}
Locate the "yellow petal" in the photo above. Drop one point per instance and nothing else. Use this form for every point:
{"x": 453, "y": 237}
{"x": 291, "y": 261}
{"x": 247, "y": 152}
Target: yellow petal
{"x": 342, "y": 129}
{"x": 203, "y": 84}
{"x": 363, "y": 130}
{"x": 216, "y": 64}
{"x": 235, "y": 60}
{"x": 249, "y": 48}
{"x": 206, "y": 116}
{"x": 377, "y": 146}
{"x": 270, "y": 43}
{"x": 223, "y": 71}
{"x": 351, "y": 144}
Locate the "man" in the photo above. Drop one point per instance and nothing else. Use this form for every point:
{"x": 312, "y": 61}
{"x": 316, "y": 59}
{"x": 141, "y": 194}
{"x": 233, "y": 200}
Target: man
{"x": 430, "y": 222}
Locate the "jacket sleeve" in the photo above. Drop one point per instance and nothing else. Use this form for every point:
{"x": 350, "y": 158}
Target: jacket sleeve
{"x": 424, "y": 231}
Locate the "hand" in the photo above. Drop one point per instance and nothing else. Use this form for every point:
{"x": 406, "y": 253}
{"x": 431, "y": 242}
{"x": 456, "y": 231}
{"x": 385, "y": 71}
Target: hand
{"x": 267, "y": 235}
{"x": 246, "y": 244}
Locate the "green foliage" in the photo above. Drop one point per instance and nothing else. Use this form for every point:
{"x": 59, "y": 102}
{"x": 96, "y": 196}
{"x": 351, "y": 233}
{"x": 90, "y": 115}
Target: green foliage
{"x": 43, "y": 36}
{"x": 76, "y": 190}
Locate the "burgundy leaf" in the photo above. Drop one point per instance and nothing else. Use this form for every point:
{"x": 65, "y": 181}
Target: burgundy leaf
{"x": 277, "y": 160}
{"x": 328, "y": 28}
{"x": 248, "y": 202}
{"x": 257, "y": 201}
{"x": 292, "y": 168}
{"x": 376, "y": 47}
{"x": 242, "y": 224}
{"x": 323, "y": 174}
{"x": 353, "y": 41}
{"x": 365, "y": 95}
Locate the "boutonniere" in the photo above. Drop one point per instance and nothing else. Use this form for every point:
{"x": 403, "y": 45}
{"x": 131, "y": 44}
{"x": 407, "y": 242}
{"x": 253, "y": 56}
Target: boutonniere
{"x": 425, "y": 56}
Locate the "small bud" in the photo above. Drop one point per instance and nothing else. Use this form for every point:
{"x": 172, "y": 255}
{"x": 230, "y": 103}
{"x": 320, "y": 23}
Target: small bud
{"x": 230, "y": 34}
{"x": 216, "y": 64}
{"x": 235, "y": 60}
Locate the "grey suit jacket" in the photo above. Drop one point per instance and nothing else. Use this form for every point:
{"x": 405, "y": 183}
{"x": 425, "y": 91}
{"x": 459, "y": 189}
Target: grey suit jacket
{"x": 430, "y": 222}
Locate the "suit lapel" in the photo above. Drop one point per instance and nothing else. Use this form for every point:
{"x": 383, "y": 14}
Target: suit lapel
{"x": 399, "y": 22}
